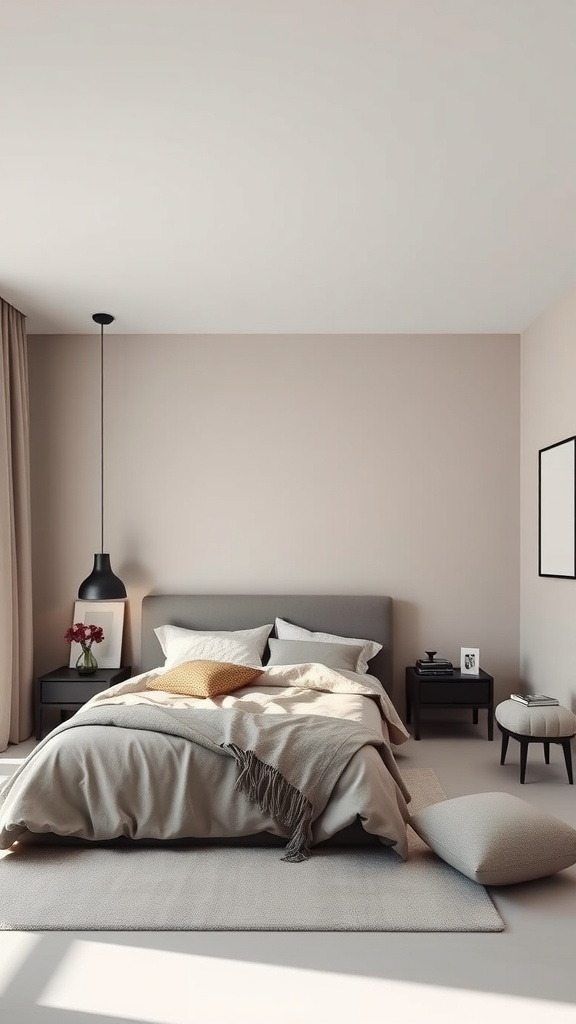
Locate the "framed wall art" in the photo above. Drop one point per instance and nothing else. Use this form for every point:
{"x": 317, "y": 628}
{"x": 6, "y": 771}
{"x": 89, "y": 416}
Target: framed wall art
{"x": 557, "y": 510}
{"x": 110, "y": 616}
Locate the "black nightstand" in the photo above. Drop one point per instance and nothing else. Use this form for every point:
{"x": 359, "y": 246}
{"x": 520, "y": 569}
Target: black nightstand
{"x": 458, "y": 690}
{"x": 66, "y": 690}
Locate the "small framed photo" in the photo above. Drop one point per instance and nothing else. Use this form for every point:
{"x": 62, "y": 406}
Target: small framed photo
{"x": 110, "y": 616}
{"x": 470, "y": 661}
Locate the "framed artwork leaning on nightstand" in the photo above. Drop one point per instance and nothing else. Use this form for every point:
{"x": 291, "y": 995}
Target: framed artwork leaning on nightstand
{"x": 110, "y": 616}
{"x": 470, "y": 661}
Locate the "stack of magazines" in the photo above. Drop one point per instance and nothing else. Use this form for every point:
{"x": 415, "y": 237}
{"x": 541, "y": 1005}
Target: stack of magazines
{"x": 434, "y": 667}
{"x": 533, "y": 700}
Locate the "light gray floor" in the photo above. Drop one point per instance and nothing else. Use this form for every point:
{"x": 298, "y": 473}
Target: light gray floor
{"x": 169, "y": 978}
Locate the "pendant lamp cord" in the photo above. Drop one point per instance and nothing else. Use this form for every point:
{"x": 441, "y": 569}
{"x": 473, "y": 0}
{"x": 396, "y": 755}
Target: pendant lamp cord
{"x": 102, "y": 438}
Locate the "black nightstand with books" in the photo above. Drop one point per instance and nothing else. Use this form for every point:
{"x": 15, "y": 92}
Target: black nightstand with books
{"x": 454, "y": 690}
{"x": 66, "y": 690}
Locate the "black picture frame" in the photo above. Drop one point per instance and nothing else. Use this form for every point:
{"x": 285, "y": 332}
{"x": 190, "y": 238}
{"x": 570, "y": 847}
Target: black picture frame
{"x": 557, "y": 510}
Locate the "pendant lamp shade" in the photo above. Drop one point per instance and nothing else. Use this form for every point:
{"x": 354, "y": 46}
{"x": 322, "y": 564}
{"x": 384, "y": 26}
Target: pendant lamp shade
{"x": 102, "y": 584}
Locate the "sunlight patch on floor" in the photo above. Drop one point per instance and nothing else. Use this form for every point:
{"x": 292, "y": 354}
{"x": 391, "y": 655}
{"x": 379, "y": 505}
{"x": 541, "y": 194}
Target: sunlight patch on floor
{"x": 14, "y": 950}
{"x": 160, "y": 987}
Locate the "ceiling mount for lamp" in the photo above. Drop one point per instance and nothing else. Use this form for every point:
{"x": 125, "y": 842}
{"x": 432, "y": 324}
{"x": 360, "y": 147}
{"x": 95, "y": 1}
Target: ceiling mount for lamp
{"x": 102, "y": 584}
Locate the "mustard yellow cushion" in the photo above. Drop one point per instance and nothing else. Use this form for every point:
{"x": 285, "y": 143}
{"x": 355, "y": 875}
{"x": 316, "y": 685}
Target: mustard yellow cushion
{"x": 204, "y": 678}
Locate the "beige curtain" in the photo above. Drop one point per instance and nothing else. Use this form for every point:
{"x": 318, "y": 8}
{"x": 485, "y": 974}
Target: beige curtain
{"x": 15, "y": 532}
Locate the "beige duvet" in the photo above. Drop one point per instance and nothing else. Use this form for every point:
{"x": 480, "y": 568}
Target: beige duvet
{"x": 99, "y": 783}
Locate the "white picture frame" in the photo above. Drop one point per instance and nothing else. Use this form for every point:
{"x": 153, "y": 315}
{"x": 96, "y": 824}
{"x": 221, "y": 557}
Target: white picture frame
{"x": 109, "y": 615}
{"x": 470, "y": 661}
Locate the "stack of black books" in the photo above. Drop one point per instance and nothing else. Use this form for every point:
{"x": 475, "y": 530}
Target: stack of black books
{"x": 434, "y": 666}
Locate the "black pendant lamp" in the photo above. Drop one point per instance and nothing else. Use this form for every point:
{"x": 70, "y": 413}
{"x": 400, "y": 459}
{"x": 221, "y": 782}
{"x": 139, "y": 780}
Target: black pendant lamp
{"x": 102, "y": 584}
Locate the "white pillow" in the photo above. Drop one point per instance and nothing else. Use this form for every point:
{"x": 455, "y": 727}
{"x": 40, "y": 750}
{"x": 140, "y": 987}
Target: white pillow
{"x": 288, "y": 631}
{"x": 241, "y": 646}
{"x": 496, "y": 838}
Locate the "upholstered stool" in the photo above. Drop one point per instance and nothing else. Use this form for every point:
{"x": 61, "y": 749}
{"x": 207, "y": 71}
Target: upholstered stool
{"x": 550, "y": 723}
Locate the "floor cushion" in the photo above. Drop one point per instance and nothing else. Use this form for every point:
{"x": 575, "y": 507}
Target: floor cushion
{"x": 496, "y": 838}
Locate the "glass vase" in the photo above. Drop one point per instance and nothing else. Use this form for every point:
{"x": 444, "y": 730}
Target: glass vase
{"x": 86, "y": 663}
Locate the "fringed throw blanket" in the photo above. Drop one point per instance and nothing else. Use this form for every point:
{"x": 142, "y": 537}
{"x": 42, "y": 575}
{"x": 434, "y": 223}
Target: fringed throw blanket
{"x": 288, "y": 764}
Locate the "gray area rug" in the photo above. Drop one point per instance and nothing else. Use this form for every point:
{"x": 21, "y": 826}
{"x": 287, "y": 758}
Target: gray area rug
{"x": 47, "y": 888}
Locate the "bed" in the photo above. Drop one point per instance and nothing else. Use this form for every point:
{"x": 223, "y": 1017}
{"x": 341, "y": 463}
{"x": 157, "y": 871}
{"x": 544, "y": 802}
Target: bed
{"x": 300, "y": 755}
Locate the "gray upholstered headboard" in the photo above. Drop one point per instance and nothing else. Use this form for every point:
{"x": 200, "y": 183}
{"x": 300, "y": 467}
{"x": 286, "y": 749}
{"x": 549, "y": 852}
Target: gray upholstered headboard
{"x": 369, "y": 618}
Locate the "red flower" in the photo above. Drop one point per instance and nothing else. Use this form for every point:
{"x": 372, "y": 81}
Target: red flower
{"x": 85, "y": 635}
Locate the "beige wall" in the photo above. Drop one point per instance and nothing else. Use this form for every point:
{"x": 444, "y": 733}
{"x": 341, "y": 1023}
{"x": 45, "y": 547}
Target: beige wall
{"x": 548, "y": 606}
{"x": 370, "y": 464}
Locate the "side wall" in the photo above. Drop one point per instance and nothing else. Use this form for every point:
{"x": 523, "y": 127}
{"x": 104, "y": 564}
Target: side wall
{"x": 370, "y": 464}
{"x": 548, "y": 606}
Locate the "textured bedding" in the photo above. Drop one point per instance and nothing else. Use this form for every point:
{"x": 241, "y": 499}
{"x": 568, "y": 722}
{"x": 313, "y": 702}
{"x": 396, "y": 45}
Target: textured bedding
{"x": 94, "y": 780}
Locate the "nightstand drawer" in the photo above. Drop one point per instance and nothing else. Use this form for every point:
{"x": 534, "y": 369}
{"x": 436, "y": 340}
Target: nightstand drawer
{"x": 77, "y": 691}
{"x": 459, "y": 692}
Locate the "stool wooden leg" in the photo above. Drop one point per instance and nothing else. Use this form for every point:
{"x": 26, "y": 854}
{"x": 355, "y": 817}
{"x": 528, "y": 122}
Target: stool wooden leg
{"x": 523, "y": 756}
{"x": 505, "y": 738}
{"x": 568, "y": 760}
{"x": 546, "y": 752}
{"x": 475, "y": 716}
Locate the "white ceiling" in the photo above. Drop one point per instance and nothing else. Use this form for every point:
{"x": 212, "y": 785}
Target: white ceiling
{"x": 287, "y": 165}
